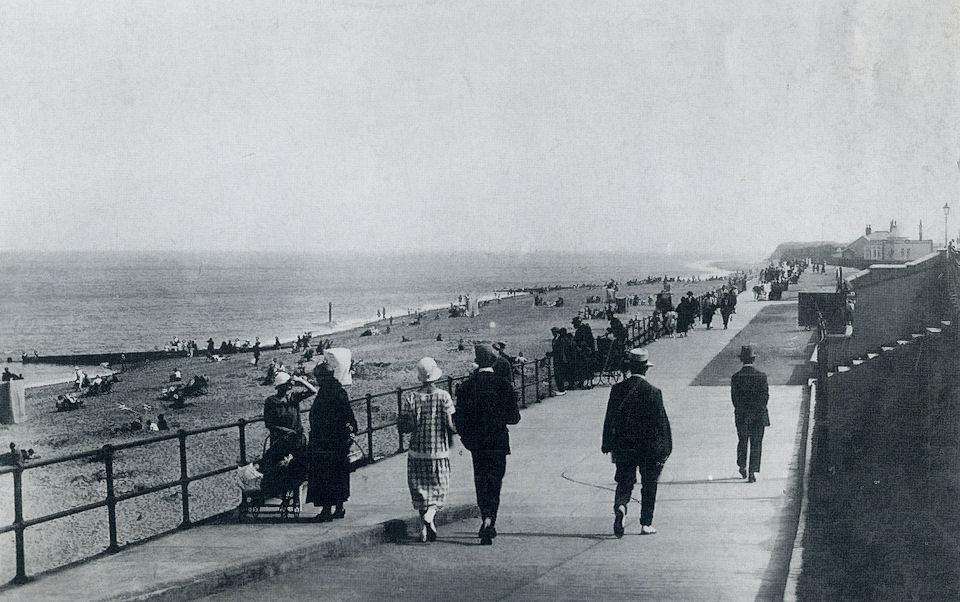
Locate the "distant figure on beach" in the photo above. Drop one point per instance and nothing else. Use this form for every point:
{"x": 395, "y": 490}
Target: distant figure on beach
{"x": 749, "y": 393}
{"x": 486, "y": 404}
{"x": 8, "y": 375}
{"x": 256, "y": 352}
{"x": 210, "y": 346}
{"x": 427, "y": 414}
{"x": 276, "y": 342}
{"x": 439, "y": 336}
{"x": 636, "y": 433}
{"x": 162, "y": 423}
{"x": 332, "y": 423}
{"x": 176, "y": 375}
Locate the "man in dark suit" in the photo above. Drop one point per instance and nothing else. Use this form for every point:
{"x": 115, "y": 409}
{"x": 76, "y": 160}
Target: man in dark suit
{"x": 636, "y": 432}
{"x": 503, "y": 367}
{"x": 749, "y": 392}
{"x": 486, "y": 404}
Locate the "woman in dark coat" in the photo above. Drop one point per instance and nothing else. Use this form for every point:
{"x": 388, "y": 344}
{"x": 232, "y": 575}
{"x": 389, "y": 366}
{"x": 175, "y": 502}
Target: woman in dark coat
{"x": 331, "y": 424}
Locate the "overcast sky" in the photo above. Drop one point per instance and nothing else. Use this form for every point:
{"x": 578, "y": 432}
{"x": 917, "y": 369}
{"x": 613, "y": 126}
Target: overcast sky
{"x": 515, "y": 126}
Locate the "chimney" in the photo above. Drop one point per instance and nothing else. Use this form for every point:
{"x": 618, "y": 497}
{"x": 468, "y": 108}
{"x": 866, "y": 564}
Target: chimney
{"x": 921, "y": 230}
{"x": 893, "y": 228}
{"x": 868, "y": 230}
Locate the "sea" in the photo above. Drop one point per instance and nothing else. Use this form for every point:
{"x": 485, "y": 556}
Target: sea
{"x": 64, "y": 303}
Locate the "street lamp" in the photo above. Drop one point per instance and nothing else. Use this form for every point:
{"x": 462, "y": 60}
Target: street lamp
{"x": 946, "y": 212}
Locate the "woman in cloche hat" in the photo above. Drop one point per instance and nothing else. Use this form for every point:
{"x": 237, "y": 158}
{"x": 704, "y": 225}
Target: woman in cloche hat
{"x": 427, "y": 414}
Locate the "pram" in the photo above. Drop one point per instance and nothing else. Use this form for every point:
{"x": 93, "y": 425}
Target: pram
{"x": 276, "y": 485}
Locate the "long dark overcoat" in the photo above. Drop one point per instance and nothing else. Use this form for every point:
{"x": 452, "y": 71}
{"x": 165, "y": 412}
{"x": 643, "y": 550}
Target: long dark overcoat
{"x": 331, "y": 423}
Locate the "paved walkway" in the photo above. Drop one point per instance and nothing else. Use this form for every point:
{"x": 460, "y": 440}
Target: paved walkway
{"x": 717, "y": 533}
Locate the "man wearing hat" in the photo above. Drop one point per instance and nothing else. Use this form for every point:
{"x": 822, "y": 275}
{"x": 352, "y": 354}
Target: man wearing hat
{"x": 486, "y": 404}
{"x": 728, "y": 304}
{"x": 636, "y": 432}
{"x": 749, "y": 392}
{"x": 503, "y": 366}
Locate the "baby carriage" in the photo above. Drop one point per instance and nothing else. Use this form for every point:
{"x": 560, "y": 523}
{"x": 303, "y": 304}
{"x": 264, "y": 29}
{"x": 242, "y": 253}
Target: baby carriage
{"x": 273, "y": 483}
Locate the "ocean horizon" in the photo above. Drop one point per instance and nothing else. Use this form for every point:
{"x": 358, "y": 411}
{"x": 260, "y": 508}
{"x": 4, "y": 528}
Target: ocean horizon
{"x": 94, "y": 302}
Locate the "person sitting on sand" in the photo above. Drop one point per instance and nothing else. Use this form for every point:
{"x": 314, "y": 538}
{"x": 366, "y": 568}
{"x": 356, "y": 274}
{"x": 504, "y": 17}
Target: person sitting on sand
{"x": 8, "y": 375}
{"x": 137, "y": 425}
{"x": 162, "y": 423}
{"x": 150, "y": 426}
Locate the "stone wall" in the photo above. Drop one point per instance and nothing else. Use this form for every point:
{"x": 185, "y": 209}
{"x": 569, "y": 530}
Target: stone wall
{"x": 893, "y": 301}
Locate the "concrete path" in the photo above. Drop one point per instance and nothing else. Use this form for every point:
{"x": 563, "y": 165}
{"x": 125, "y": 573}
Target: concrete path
{"x": 717, "y": 533}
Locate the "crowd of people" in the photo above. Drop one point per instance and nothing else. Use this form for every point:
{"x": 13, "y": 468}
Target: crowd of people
{"x": 579, "y": 355}
{"x": 486, "y": 404}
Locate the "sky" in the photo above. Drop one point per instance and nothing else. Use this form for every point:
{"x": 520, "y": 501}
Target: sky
{"x": 396, "y": 126}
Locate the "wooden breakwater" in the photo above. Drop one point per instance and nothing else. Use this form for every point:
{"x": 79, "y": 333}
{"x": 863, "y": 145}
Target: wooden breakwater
{"x": 91, "y": 359}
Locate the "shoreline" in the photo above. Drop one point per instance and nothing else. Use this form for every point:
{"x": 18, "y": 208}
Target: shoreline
{"x": 51, "y": 375}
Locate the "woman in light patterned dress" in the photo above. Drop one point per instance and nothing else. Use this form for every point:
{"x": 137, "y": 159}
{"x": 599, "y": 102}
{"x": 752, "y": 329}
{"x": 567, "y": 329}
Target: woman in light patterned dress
{"x": 427, "y": 414}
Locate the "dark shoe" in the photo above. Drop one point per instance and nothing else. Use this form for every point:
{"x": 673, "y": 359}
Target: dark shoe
{"x": 324, "y": 516}
{"x": 340, "y": 513}
{"x": 619, "y": 513}
{"x": 743, "y": 473}
{"x": 431, "y": 532}
{"x": 752, "y": 478}
{"x": 486, "y": 541}
{"x": 492, "y": 531}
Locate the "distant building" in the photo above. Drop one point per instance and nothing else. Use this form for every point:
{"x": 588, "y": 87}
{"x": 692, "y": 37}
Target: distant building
{"x": 885, "y": 246}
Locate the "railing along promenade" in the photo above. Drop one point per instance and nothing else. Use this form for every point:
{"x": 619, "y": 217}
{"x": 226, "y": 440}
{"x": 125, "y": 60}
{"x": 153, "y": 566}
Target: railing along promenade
{"x": 534, "y": 380}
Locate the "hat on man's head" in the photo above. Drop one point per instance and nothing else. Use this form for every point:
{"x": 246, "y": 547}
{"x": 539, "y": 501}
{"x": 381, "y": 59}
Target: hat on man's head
{"x": 428, "y": 370}
{"x": 576, "y": 320}
{"x": 554, "y": 330}
{"x": 638, "y": 358}
{"x": 281, "y": 378}
{"x": 746, "y": 354}
{"x": 485, "y": 355}
{"x": 499, "y": 345}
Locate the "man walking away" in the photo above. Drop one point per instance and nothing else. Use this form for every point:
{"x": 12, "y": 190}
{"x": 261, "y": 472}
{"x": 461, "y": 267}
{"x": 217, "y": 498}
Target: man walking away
{"x": 486, "y": 404}
{"x": 749, "y": 392}
{"x": 636, "y": 432}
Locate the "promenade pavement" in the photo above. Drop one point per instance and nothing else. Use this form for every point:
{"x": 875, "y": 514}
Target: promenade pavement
{"x": 720, "y": 538}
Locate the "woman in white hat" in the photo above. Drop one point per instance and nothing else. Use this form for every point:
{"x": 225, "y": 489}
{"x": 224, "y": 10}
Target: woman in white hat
{"x": 427, "y": 414}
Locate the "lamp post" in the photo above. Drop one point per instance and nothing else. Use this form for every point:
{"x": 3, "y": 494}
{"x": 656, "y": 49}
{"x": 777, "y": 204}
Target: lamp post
{"x": 946, "y": 212}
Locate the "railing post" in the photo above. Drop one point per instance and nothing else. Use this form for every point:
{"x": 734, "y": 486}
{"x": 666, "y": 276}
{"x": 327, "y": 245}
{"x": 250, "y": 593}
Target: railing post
{"x": 523, "y": 387}
{"x": 399, "y": 407}
{"x": 370, "y": 427}
{"x": 21, "y": 576}
{"x": 111, "y": 498}
{"x": 536, "y": 376}
{"x": 549, "y": 359}
{"x": 184, "y": 480}
{"x": 242, "y": 425}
